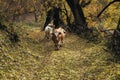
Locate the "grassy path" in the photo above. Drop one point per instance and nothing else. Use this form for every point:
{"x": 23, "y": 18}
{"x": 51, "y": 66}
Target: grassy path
{"x": 35, "y": 59}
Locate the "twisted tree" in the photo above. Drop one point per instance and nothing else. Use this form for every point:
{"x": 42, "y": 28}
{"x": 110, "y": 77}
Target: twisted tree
{"x": 78, "y": 14}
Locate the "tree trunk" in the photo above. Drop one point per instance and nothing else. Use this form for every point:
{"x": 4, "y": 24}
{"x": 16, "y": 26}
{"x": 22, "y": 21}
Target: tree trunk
{"x": 116, "y": 39}
{"x": 68, "y": 18}
{"x": 78, "y": 14}
{"x": 55, "y": 15}
{"x": 49, "y": 18}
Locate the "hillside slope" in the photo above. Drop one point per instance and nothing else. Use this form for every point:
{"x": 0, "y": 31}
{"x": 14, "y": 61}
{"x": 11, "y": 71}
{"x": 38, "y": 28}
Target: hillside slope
{"x": 35, "y": 59}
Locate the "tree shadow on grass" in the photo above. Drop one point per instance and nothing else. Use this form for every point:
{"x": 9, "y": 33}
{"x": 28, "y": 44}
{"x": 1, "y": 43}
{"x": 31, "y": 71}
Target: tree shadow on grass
{"x": 115, "y": 55}
{"x": 115, "y": 58}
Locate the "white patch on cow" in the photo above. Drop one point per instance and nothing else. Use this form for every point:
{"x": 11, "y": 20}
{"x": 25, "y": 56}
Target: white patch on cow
{"x": 49, "y": 28}
{"x": 56, "y": 33}
{"x": 48, "y": 31}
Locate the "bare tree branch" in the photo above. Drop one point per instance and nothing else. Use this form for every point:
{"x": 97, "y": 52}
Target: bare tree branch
{"x": 107, "y": 7}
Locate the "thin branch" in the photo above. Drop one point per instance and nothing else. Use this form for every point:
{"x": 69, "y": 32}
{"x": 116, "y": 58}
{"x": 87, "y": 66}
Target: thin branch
{"x": 107, "y": 7}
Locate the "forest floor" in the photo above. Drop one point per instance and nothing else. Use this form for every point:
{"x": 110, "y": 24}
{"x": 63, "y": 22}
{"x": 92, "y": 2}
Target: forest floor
{"x": 35, "y": 59}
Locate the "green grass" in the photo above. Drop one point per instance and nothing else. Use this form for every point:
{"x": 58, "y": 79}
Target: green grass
{"x": 34, "y": 59}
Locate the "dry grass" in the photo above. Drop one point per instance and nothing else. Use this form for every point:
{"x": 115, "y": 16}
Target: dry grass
{"x": 35, "y": 59}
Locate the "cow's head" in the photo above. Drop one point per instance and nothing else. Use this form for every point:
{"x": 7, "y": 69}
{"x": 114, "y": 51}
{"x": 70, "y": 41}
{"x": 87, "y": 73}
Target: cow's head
{"x": 57, "y": 37}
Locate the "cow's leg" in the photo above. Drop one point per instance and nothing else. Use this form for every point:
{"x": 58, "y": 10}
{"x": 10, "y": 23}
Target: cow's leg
{"x": 61, "y": 42}
{"x": 56, "y": 47}
{"x": 45, "y": 37}
{"x": 49, "y": 36}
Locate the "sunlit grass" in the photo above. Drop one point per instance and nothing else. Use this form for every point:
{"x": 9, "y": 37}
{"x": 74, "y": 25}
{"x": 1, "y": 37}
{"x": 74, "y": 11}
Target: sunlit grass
{"x": 35, "y": 59}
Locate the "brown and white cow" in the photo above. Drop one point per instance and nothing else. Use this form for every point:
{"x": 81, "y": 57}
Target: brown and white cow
{"x": 57, "y": 37}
